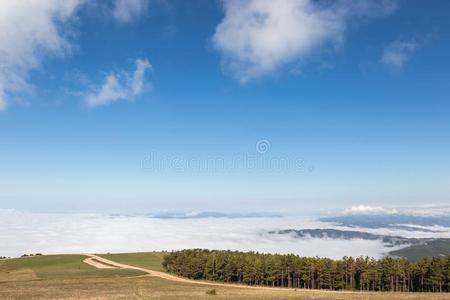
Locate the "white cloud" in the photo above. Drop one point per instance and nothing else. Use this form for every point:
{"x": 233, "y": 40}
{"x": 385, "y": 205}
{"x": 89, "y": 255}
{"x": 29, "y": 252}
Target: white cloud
{"x": 34, "y": 30}
{"x": 257, "y": 37}
{"x": 398, "y": 53}
{"x": 2, "y": 98}
{"x": 125, "y": 11}
{"x": 430, "y": 210}
{"x": 138, "y": 77}
{"x": 120, "y": 86}
{"x": 30, "y": 31}
{"x": 367, "y": 209}
{"x": 110, "y": 91}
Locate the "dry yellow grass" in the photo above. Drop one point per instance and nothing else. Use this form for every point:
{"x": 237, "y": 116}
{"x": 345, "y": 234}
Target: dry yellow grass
{"x": 66, "y": 277}
{"x": 157, "y": 288}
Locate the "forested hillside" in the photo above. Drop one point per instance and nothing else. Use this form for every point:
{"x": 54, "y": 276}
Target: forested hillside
{"x": 362, "y": 273}
{"x": 437, "y": 247}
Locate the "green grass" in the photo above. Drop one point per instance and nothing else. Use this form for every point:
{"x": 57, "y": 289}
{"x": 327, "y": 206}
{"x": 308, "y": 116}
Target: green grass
{"x": 59, "y": 267}
{"x": 149, "y": 260}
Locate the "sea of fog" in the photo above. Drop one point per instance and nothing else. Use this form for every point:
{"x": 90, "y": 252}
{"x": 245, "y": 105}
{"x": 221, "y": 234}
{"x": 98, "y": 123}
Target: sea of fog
{"x": 24, "y": 232}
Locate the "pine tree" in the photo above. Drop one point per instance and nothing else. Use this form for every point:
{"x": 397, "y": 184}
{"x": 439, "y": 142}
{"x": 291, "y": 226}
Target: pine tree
{"x": 362, "y": 273}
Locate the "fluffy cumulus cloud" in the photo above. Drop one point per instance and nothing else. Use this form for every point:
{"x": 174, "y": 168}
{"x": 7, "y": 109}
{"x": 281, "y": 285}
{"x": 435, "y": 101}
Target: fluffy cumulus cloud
{"x": 367, "y": 209}
{"x": 257, "y": 37}
{"x": 26, "y": 39}
{"x": 121, "y": 85}
{"x": 125, "y": 11}
{"x": 398, "y": 53}
{"x": 424, "y": 210}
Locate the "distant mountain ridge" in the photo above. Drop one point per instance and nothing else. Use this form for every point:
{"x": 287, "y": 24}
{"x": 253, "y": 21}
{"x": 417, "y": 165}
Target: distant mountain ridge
{"x": 397, "y": 221}
{"x": 346, "y": 235}
{"x": 211, "y": 214}
{"x": 433, "y": 248}
{"x": 415, "y": 248}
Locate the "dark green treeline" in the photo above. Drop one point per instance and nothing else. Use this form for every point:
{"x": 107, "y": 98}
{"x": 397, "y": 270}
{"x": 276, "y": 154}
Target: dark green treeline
{"x": 362, "y": 273}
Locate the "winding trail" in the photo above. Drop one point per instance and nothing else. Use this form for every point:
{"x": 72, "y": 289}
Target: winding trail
{"x": 103, "y": 263}
{"x": 93, "y": 261}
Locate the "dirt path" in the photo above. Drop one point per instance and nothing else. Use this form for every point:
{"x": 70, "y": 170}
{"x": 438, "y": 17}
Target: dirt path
{"x": 103, "y": 262}
{"x": 93, "y": 261}
{"x": 100, "y": 262}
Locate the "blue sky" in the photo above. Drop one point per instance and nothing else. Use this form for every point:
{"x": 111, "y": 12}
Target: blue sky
{"x": 357, "y": 92}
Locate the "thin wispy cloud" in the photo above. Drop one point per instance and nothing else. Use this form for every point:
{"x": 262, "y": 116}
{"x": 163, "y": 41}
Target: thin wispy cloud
{"x": 398, "y": 53}
{"x": 258, "y": 37}
{"x": 2, "y": 98}
{"x": 25, "y": 41}
{"x": 126, "y": 11}
{"x": 121, "y": 85}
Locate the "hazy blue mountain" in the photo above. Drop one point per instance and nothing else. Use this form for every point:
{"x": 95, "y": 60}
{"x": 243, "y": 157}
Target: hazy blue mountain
{"x": 416, "y": 248}
{"x": 204, "y": 215}
{"x": 346, "y": 235}
{"x": 389, "y": 221}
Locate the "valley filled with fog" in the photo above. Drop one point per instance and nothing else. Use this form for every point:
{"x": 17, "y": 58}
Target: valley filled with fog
{"x": 25, "y": 232}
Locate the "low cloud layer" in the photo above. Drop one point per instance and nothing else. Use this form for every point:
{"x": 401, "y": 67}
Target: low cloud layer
{"x": 68, "y": 233}
{"x": 257, "y": 37}
{"x": 121, "y": 85}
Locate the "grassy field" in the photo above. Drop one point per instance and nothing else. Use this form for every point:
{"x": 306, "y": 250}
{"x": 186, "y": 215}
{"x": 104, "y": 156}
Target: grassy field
{"x": 150, "y": 260}
{"x": 55, "y": 267}
{"x": 67, "y": 277}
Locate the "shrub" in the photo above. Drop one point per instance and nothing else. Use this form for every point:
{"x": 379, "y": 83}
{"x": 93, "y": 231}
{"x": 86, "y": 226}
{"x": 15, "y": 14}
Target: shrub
{"x": 211, "y": 292}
